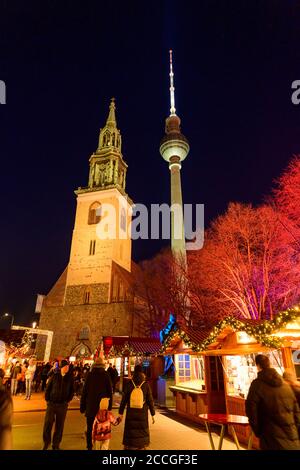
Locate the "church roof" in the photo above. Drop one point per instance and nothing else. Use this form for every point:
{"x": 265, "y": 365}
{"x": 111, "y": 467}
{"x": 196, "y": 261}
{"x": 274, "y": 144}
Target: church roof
{"x": 57, "y": 293}
{"x": 130, "y": 278}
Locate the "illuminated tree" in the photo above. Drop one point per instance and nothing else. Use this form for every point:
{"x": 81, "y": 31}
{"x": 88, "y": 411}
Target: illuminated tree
{"x": 161, "y": 287}
{"x": 245, "y": 268}
{"x": 287, "y": 202}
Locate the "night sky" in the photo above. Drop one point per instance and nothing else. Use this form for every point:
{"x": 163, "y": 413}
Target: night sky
{"x": 62, "y": 61}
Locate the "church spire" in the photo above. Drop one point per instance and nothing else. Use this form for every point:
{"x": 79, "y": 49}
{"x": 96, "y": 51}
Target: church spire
{"x": 172, "y": 89}
{"x": 110, "y": 137}
{"x": 111, "y": 120}
{"x": 107, "y": 167}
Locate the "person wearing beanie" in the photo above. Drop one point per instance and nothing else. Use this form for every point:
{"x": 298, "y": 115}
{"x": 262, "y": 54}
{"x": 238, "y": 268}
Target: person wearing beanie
{"x": 59, "y": 392}
{"x": 272, "y": 409}
{"x": 97, "y": 386}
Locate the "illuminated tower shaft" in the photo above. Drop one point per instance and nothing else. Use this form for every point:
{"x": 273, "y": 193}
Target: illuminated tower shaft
{"x": 177, "y": 222}
{"x": 174, "y": 148}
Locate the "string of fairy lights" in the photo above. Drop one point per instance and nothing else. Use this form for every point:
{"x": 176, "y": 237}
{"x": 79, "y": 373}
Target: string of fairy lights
{"x": 262, "y": 331}
{"x": 125, "y": 350}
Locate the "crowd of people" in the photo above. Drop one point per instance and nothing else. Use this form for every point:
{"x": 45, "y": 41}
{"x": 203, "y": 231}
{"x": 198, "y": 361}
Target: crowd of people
{"x": 96, "y": 402}
{"x": 94, "y": 386}
{"x": 32, "y": 376}
{"x": 272, "y": 404}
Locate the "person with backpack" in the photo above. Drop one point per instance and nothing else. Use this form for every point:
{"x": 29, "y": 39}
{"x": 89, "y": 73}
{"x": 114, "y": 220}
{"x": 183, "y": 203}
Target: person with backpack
{"x": 138, "y": 398}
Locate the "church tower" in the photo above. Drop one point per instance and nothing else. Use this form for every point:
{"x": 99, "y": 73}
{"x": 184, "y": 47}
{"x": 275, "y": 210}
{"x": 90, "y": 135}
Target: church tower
{"x": 93, "y": 296}
{"x": 104, "y": 201}
{"x": 174, "y": 148}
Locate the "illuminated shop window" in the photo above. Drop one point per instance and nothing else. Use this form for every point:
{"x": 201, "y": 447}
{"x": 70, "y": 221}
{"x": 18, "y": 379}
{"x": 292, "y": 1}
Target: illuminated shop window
{"x": 184, "y": 367}
{"x": 190, "y": 371}
{"x": 241, "y": 371}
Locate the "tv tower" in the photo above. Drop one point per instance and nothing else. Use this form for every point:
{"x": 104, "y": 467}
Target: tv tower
{"x": 174, "y": 148}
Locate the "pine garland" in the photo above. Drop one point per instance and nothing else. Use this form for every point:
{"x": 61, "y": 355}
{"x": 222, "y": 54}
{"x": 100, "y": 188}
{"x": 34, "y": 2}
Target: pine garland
{"x": 261, "y": 332}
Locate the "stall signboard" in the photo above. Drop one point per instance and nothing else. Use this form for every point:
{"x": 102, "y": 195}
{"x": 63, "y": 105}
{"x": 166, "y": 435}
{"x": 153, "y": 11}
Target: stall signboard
{"x": 243, "y": 338}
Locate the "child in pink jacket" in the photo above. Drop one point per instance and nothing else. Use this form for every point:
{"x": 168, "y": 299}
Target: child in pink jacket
{"x": 101, "y": 433}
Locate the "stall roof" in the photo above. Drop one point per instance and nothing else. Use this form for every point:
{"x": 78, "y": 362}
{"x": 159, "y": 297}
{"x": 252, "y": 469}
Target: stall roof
{"x": 120, "y": 345}
{"x": 265, "y": 332}
{"x": 197, "y": 336}
{"x": 187, "y": 334}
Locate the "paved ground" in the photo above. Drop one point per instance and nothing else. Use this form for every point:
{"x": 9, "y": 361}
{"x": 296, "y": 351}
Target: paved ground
{"x": 168, "y": 433}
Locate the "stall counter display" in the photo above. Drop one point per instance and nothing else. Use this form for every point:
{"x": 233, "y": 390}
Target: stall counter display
{"x": 241, "y": 371}
{"x": 189, "y": 390}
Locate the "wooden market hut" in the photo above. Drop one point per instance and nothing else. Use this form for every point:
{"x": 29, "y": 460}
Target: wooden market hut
{"x": 125, "y": 352}
{"x": 192, "y": 387}
{"x": 227, "y": 352}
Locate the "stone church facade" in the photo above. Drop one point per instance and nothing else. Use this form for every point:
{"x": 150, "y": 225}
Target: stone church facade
{"x": 93, "y": 296}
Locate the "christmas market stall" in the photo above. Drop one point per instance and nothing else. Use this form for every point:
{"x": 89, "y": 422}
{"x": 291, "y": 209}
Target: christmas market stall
{"x": 15, "y": 345}
{"x": 215, "y": 367}
{"x": 190, "y": 386}
{"x": 125, "y": 352}
{"x": 230, "y": 351}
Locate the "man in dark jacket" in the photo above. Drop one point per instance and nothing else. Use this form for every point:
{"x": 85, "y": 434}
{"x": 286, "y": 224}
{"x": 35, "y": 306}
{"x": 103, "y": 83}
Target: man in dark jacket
{"x": 115, "y": 378}
{"x": 272, "y": 409}
{"x": 15, "y": 373}
{"x": 59, "y": 392}
{"x": 113, "y": 374}
{"x": 97, "y": 386}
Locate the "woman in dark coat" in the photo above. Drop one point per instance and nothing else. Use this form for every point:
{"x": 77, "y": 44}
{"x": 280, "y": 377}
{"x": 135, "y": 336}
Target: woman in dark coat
{"x": 136, "y": 432}
{"x": 97, "y": 386}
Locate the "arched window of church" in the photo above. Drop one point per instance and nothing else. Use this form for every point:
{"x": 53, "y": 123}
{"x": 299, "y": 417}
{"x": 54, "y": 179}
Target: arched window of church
{"x": 123, "y": 219}
{"x": 115, "y": 289}
{"x": 106, "y": 139}
{"x": 94, "y": 213}
{"x": 121, "y": 291}
{"x": 84, "y": 333}
{"x": 113, "y": 140}
{"x": 87, "y": 295}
